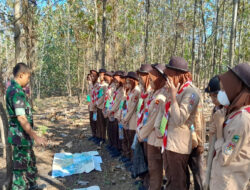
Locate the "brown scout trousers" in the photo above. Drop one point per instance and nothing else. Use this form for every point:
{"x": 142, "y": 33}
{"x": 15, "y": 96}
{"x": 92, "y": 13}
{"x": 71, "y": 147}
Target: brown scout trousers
{"x": 92, "y": 123}
{"x": 125, "y": 148}
{"x": 107, "y": 123}
{"x": 195, "y": 164}
{"x": 145, "y": 177}
{"x": 176, "y": 170}
{"x": 131, "y": 134}
{"x": 114, "y": 130}
{"x": 127, "y": 143}
{"x": 155, "y": 167}
{"x": 101, "y": 127}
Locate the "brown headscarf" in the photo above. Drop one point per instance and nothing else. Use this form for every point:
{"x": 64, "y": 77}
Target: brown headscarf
{"x": 237, "y": 92}
{"x": 157, "y": 79}
{"x": 178, "y": 76}
{"x": 145, "y": 78}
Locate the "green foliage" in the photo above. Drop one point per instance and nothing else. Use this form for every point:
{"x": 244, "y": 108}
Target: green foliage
{"x": 65, "y": 34}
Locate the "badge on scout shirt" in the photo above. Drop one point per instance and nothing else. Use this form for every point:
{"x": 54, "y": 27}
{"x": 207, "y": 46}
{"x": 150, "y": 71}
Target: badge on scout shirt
{"x": 192, "y": 101}
{"x": 107, "y": 104}
{"x": 235, "y": 138}
{"x": 139, "y": 105}
{"x": 88, "y": 98}
{"x": 164, "y": 122}
{"x": 229, "y": 148}
{"x": 100, "y": 93}
{"x": 231, "y": 145}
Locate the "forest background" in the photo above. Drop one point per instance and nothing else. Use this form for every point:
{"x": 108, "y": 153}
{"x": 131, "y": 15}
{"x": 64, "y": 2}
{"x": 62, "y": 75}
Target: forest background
{"x": 61, "y": 40}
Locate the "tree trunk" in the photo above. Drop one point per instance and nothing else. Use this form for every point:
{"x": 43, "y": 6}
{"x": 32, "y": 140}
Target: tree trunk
{"x": 222, "y": 37}
{"x": 103, "y": 31}
{"x": 233, "y": 31}
{"x": 240, "y": 32}
{"x": 68, "y": 54}
{"x": 215, "y": 35}
{"x": 30, "y": 36}
{"x": 193, "y": 41}
{"x": 147, "y": 9}
{"x": 17, "y": 31}
{"x": 96, "y": 36}
{"x": 7, "y": 151}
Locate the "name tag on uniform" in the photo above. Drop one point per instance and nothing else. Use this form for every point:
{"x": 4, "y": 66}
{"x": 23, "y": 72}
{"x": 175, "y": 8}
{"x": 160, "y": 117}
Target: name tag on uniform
{"x": 107, "y": 104}
{"x": 121, "y": 104}
{"x": 100, "y": 94}
{"x": 139, "y": 105}
{"x": 164, "y": 122}
{"x": 88, "y": 98}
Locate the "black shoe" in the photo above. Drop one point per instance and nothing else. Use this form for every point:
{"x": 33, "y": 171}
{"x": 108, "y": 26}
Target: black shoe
{"x": 112, "y": 149}
{"x": 38, "y": 187}
{"x": 108, "y": 147}
{"x": 90, "y": 138}
{"x": 97, "y": 140}
{"x": 142, "y": 187}
{"x": 125, "y": 160}
{"x": 116, "y": 154}
{"x": 128, "y": 164}
{"x": 122, "y": 158}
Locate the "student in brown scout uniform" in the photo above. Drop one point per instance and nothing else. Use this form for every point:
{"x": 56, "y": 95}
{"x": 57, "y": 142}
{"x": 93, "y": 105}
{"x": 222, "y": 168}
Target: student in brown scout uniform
{"x": 108, "y": 77}
{"x": 92, "y": 105}
{"x": 101, "y": 127}
{"x": 153, "y": 106}
{"x": 182, "y": 111}
{"x": 129, "y": 119}
{"x": 212, "y": 89}
{"x": 123, "y": 130}
{"x": 231, "y": 164}
{"x": 89, "y": 87}
{"x": 113, "y": 113}
{"x": 146, "y": 90}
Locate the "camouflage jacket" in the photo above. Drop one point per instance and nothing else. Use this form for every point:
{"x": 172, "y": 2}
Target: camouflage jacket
{"x": 17, "y": 104}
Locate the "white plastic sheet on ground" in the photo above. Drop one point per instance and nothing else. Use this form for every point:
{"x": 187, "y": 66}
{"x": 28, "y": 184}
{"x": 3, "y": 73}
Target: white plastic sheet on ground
{"x": 66, "y": 164}
{"x": 90, "y": 188}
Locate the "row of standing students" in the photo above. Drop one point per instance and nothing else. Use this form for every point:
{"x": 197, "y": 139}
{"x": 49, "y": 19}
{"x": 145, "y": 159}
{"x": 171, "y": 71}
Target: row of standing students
{"x": 154, "y": 122}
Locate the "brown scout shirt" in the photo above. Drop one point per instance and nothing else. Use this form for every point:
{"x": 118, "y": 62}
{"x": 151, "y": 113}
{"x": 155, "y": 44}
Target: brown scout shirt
{"x": 116, "y": 105}
{"x": 148, "y": 130}
{"x": 110, "y": 90}
{"x": 92, "y": 106}
{"x": 231, "y": 165}
{"x": 182, "y": 116}
{"x": 101, "y": 100}
{"x": 131, "y": 116}
{"x": 149, "y": 93}
{"x": 120, "y": 111}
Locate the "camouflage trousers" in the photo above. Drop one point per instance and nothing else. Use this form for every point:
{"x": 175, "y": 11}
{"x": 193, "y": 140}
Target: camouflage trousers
{"x": 24, "y": 168}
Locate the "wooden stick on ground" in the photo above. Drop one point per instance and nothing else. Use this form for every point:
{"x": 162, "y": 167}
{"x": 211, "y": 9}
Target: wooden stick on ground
{"x": 209, "y": 162}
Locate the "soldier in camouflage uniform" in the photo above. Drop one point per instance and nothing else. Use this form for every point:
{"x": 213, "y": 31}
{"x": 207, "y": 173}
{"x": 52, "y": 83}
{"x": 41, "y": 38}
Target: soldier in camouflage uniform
{"x": 21, "y": 134}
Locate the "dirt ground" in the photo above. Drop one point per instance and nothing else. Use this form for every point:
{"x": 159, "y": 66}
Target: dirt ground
{"x": 63, "y": 121}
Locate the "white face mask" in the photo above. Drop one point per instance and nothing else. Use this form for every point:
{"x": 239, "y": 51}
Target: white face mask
{"x": 222, "y": 98}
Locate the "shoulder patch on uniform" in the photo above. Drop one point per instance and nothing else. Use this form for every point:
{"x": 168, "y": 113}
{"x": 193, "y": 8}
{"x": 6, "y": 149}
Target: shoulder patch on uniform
{"x": 235, "y": 138}
{"x": 160, "y": 97}
{"x": 157, "y": 101}
{"x": 229, "y": 148}
{"x": 192, "y": 100}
